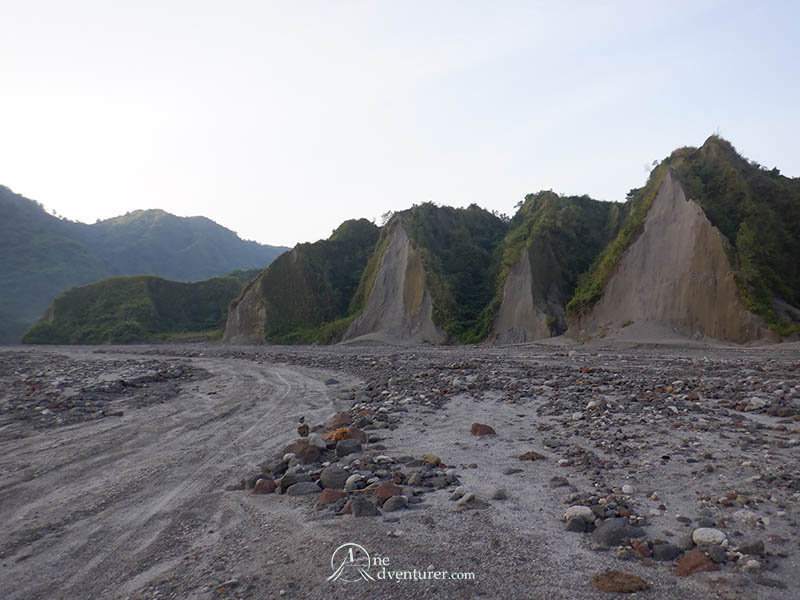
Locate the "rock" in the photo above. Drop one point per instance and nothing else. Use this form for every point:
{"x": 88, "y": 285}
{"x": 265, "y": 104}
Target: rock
{"x": 752, "y": 564}
{"x": 304, "y": 451}
{"x": 480, "y": 429}
{"x": 292, "y": 477}
{"x": 349, "y": 446}
{"x": 666, "y": 552}
{"x": 234, "y": 487}
{"x": 717, "y": 554}
{"x": 685, "y": 542}
{"x": 558, "y": 481}
{"x": 315, "y": 439}
{"x": 395, "y": 503}
{"x": 431, "y": 459}
{"x": 499, "y": 494}
{"x": 470, "y": 501}
{"x": 753, "y": 548}
{"x": 584, "y": 512}
{"x": 265, "y": 486}
{"x": 616, "y": 532}
{"x": 511, "y": 471}
{"x": 532, "y": 455}
{"x": 641, "y": 548}
{"x": 576, "y": 524}
{"x": 361, "y": 507}
{"x": 694, "y": 562}
{"x": 303, "y": 488}
{"x": 303, "y": 429}
{"x": 708, "y": 536}
{"x": 354, "y": 482}
{"x": 275, "y": 466}
{"x": 627, "y": 489}
{"x": 619, "y": 582}
{"x": 334, "y": 477}
{"x": 386, "y": 490}
{"x": 341, "y": 419}
{"x": 330, "y": 496}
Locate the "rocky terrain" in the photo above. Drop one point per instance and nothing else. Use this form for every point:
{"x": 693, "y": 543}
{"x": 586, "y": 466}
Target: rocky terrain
{"x": 543, "y": 471}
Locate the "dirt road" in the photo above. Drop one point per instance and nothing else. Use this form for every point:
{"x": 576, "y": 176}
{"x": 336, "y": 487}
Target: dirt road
{"x": 135, "y": 506}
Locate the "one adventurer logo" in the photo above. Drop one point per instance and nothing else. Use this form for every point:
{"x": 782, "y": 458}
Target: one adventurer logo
{"x": 351, "y": 563}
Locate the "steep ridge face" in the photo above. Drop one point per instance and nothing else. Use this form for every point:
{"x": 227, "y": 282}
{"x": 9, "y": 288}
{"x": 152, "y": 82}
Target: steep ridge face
{"x": 518, "y": 319}
{"x": 553, "y": 239}
{"x": 399, "y": 307}
{"x": 676, "y": 274}
{"x": 304, "y": 296}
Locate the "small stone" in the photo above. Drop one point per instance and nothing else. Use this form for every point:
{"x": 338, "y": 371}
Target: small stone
{"x": 627, "y": 489}
{"x": 470, "y": 501}
{"x": 511, "y": 471}
{"x": 666, "y": 552}
{"x": 330, "y": 496}
{"x": 341, "y": 419}
{"x": 315, "y": 439}
{"x": 619, "y": 582}
{"x": 304, "y": 451}
{"x": 584, "y": 512}
{"x": 395, "y": 503}
{"x": 694, "y": 562}
{"x": 708, "y": 536}
{"x": 354, "y": 482}
{"x": 499, "y": 494}
{"x": 292, "y": 477}
{"x": 349, "y": 446}
{"x": 479, "y": 429}
{"x": 361, "y": 507}
{"x": 685, "y": 542}
{"x": 333, "y": 477}
{"x": 641, "y": 548}
{"x": 265, "y": 486}
{"x": 717, "y": 554}
{"x": 386, "y": 490}
{"x": 557, "y": 481}
{"x": 303, "y": 488}
{"x": 354, "y": 433}
{"x": 532, "y": 455}
{"x": 431, "y": 460}
{"x": 576, "y": 524}
{"x": 616, "y": 532}
{"x": 754, "y": 548}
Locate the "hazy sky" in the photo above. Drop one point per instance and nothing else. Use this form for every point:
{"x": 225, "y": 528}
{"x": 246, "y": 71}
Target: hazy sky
{"x": 279, "y": 120}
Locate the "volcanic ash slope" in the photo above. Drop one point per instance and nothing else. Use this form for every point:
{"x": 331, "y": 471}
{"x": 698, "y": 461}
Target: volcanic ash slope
{"x": 399, "y": 307}
{"x": 676, "y": 274}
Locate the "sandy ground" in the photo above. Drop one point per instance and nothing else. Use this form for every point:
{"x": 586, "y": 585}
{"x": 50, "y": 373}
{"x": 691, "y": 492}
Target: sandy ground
{"x": 135, "y": 506}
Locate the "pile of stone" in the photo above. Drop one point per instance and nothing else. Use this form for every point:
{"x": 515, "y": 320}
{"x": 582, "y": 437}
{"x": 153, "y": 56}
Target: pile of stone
{"x": 349, "y": 472}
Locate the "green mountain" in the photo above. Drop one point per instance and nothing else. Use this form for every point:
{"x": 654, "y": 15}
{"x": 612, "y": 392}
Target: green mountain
{"x": 305, "y": 295}
{"x": 138, "y": 308}
{"x": 756, "y": 212}
{"x": 42, "y": 255}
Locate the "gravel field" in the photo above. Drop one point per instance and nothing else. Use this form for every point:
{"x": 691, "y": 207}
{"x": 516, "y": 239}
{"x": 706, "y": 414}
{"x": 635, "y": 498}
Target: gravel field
{"x": 530, "y": 472}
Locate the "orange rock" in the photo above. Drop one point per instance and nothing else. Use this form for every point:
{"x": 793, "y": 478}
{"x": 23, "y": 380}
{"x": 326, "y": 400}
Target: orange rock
{"x": 329, "y": 496}
{"x": 641, "y": 548}
{"x": 617, "y": 581}
{"x": 336, "y": 435}
{"x": 354, "y": 433}
{"x": 341, "y": 419}
{"x": 480, "y": 429}
{"x": 264, "y": 486}
{"x": 386, "y": 490}
{"x": 694, "y": 562}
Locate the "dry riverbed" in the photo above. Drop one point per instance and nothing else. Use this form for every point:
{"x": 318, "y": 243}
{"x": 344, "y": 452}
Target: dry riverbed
{"x": 130, "y": 472}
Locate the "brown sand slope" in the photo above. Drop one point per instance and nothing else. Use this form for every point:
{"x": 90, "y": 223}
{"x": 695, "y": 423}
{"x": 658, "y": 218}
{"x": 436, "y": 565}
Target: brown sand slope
{"x": 676, "y": 274}
{"x": 399, "y": 307}
{"x": 518, "y": 320}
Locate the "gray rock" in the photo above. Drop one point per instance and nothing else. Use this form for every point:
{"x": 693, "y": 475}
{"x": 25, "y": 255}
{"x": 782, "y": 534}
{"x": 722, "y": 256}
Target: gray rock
{"x": 666, "y": 552}
{"x": 334, "y": 477}
{"x": 558, "y": 481}
{"x": 499, "y": 494}
{"x": 616, "y": 532}
{"x": 753, "y": 548}
{"x": 303, "y": 488}
{"x": 361, "y": 507}
{"x": 584, "y": 512}
{"x": 685, "y": 542}
{"x": 345, "y": 447}
{"x": 708, "y": 536}
{"x": 576, "y": 524}
{"x": 293, "y": 477}
{"x": 395, "y": 503}
{"x": 717, "y": 554}
{"x": 274, "y": 466}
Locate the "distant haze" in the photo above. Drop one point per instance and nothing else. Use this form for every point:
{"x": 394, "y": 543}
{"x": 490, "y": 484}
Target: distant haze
{"x": 281, "y": 119}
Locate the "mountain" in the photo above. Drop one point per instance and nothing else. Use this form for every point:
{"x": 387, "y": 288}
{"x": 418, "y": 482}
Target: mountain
{"x": 709, "y": 249}
{"x": 136, "y": 309}
{"x": 42, "y": 255}
{"x": 305, "y": 295}
{"x": 552, "y": 240}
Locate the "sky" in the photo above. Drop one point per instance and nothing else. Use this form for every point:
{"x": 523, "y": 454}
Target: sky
{"x": 280, "y": 120}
